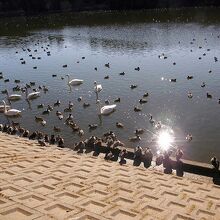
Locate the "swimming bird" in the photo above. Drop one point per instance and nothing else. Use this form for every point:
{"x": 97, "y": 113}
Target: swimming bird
{"x": 74, "y": 82}
{"x": 79, "y": 99}
{"x": 137, "y": 68}
{"x": 106, "y": 77}
{"x": 32, "y": 95}
{"x": 80, "y": 132}
{"x": 43, "y": 123}
{"x": 151, "y": 120}
{"x": 133, "y": 86}
{"x": 203, "y": 85}
{"x": 107, "y": 65}
{"x": 190, "y": 95}
{"x": 142, "y": 101}
{"x": 97, "y": 87}
{"x": 11, "y": 112}
{"x": 40, "y": 106}
{"x": 173, "y": 80}
{"x": 117, "y": 100}
{"x": 107, "y": 109}
{"x": 122, "y": 73}
{"x": 189, "y": 77}
{"x": 209, "y": 96}
{"x": 39, "y": 119}
{"x": 57, "y": 103}
{"x": 13, "y": 97}
{"x": 56, "y": 129}
{"x": 139, "y": 131}
{"x": 85, "y": 104}
{"x": 137, "y": 109}
{"x": 119, "y": 125}
{"x": 135, "y": 138}
{"x": 92, "y": 126}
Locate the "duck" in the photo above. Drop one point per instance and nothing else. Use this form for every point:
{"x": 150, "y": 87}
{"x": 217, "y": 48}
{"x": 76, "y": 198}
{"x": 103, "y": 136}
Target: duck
{"x": 45, "y": 89}
{"x": 67, "y": 109}
{"x": 189, "y": 77}
{"x": 50, "y": 108}
{"x": 25, "y": 133}
{"x": 74, "y": 82}
{"x": 189, "y": 137}
{"x": 106, "y": 77}
{"x": 190, "y": 95}
{"x": 11, "y": 112}
{"x": 47, "y": 111}
{"x": 142, "y": 101}
{"x": 119, "y": 125}
{"x": 32, "y": 83}
{"x": 57, "y": 103}
{"x": 203, "y": 85}
{"x": 56, "y": 129}
{"x": 137, "y": 68}
{"x": 209, "y": 96}
{"x": 122, "y": 73}
{"x": 135, "y": 138}
{"x": 137, "y": 109}
{"x": 80, "y": 132}
{"x": 139, "y": 131}
{"x": 173, "y": 80}
{"x": 58, "y": 113}
{"x": 133, "y": 86}
{"x": 92, "y": 126}
{"x": 54, "y": 75}
{"x": 151, "y": 120}
{"x": 65, "y": 65}
{"x": 4, "y": 91}
{"x": 85, "y": 104}
{"x": 6, "y": 80}
{"x": 107, "y": 102}
{"x": 71, "y": 104}
{"x": 79, "y": 99}
{"x": 40, "y": 106}
{"x": 43, "y": 123}
{"x": 38, "y": 118}
{"x": 95, "y": 68}
{"x": 107, "y": 65}
{"x": 74, "y": 127}
{"x": 70, "y": 117}
{"x": 13, "y": 97}
{"x": 17, "y": 81}
{"x": 117, "y": 100}
{"x": 60, "y": 117}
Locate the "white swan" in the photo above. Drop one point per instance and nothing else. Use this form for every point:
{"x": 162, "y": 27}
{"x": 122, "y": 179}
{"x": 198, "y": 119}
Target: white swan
{"x": 10, "y": 112}
{"x": 32, "y": 95}
{"x": 14, "y": 97}
{"x": 107, "y": 109}
{"x": 97, "y": 87}
{"x": 74, "y": 82}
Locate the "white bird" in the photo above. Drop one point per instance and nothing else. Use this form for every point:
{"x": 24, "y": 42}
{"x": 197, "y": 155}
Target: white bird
{"x": 10, "y": 112}
{"x": 32, "y": 95}
{"x": 107, "y": 109}
{"x": 74, "y": 82}
{"x": 97, "y": 87}
{"x": 13, "y": 97}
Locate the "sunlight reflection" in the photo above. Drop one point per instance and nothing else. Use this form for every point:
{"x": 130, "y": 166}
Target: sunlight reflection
{"x": 165, "y": 140}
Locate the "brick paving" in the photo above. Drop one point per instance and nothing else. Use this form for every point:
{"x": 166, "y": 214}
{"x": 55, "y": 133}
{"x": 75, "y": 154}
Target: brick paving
{"x": 50, "y": 183}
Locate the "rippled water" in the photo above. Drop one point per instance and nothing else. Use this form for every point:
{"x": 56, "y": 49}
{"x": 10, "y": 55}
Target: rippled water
{"x": 125, "y": 40}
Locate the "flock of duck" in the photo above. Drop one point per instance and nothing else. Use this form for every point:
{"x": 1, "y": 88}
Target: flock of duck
{"x": 33, "y": 93}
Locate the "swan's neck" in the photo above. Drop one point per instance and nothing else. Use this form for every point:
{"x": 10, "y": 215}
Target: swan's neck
{"x": 68, "y": 78}
{"x": 5, "y": 110}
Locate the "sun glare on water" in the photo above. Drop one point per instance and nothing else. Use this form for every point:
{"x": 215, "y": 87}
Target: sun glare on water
{"x": 165, "y": 140}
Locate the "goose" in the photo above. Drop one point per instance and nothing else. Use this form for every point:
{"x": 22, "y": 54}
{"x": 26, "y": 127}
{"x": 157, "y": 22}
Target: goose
{"x": 13, "y": 97}
{"x": 97, "y": 87}
{"x": 74, "y": 82}
{"x": 135, "y": 138}
{"x": 10, "y": 112}
{"x": 139, "y": 131}
{"x": 119, "y": 125}
{"x": 32, "y": 95}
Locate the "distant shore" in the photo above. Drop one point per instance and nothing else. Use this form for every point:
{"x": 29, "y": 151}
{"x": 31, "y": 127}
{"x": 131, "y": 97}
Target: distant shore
{"x": 31, "y": 7}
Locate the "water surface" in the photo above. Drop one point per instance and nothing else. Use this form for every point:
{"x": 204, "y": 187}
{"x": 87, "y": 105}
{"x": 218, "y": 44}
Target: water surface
{"x": 126, "y": 40}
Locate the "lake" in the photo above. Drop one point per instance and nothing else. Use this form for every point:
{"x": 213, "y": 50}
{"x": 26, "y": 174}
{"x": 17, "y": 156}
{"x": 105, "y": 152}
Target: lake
{"x": 188, "y": 38}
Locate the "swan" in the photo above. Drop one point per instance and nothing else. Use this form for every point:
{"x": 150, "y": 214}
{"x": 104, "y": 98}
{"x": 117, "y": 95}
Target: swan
{"x": 74, "y": 82}
{"x": 106, "y": 109}
{"x": 32, "y": 95}
{"x": 97, "y": 87}
{"x": 10, "y": 112}
{"x": 13, "y": 97}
